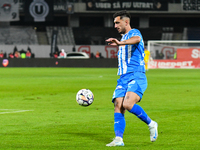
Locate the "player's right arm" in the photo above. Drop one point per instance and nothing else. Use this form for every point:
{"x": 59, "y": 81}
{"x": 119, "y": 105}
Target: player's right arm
{"x": 132, "y": 40}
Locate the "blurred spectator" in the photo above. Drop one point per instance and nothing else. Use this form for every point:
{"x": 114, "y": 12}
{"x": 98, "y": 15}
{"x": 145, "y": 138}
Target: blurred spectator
{"x": 73, "y": 49}
{"x": 62, "y": 54}
{"x": 91, "y": 55}
{"x": 146, "y": 58}
{"x": 29, "y": 49}
{"x": 175, "y": 55}
{"x": 55, "y": 55}
{"x": 17, "y": 54}
{"x": 15, "y": 49}
{"x": 97, "y": 55}
{"x": 1, "y": 54}
{"x": 32, "y": 55}
{"x": 11, "y": 55}
{"x": 5, "y": 55}
{"x": 28, "y": 54}
{"x": 23, "y": 53}
{"x": 159, "y": 55}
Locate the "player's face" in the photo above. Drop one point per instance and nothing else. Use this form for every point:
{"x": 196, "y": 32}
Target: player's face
{"x": 120, "y": 25}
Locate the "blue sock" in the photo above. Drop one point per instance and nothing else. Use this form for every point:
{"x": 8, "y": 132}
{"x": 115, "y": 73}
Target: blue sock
{"x": 140, "y": 113}
{"x": 119, "y": 124}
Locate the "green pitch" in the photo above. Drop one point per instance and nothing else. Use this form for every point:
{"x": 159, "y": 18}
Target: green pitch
{"x": 38, "y": 110}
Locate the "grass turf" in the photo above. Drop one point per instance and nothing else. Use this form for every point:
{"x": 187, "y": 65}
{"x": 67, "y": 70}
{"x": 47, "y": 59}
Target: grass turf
{"x": 38, "y": 109}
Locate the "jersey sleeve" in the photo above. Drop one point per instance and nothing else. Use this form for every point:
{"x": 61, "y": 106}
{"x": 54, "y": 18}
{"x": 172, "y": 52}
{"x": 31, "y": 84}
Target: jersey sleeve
{"x": 134, "y": 32}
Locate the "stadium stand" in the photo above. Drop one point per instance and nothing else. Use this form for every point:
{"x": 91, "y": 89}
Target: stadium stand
{"x": 172, "y": 33}
{"x": 86, "y": 35}
{"x": 151, "y": 33}
{"x": 193, "y": 33}
{"x": 18, "y": 35}
{"x": 65, "y": 35}
{"x": 97, "y": 35}
{"x": 42, "y": 38}
{"x": 81, "y": 35}
{"x": 77, "y": 31}
{"x": 93, "y": 35}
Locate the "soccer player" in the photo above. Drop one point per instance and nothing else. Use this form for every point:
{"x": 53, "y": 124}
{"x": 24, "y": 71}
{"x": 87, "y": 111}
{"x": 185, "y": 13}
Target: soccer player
{"x": 132, "y": 82}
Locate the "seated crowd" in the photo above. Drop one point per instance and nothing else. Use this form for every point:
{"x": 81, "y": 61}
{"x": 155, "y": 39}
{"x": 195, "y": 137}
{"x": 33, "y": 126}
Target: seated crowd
{"x": 28, "y": 54}
{"x": 18, "y": 54}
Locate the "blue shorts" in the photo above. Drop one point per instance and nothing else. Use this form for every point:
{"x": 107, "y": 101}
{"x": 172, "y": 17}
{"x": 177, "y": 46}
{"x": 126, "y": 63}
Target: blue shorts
{"x": 132, "y": 82}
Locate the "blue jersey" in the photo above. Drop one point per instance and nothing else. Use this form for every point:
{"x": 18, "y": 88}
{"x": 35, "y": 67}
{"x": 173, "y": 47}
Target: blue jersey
{"x": 131, "y": 57}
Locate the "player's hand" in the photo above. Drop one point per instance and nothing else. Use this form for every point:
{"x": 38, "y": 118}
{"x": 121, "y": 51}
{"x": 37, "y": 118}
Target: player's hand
{"x": 113, "y": 41}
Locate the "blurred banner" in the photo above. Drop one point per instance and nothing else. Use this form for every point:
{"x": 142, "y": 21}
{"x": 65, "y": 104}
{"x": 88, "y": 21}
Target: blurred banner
{"x": 59, "y": 6}
{"x": 54, "y": 42}
{"x": 147, "y": 5}
{"x": 38, "y": 10}
{"x": 154, "y": 64}
{"x": 188, "y": 53}
{"x": 9, "y": 10}
{"x": 70, "y": 8}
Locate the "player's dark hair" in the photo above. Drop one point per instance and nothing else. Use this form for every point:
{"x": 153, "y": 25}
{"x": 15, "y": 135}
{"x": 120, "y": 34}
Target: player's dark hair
{"x": 122, "y": 14}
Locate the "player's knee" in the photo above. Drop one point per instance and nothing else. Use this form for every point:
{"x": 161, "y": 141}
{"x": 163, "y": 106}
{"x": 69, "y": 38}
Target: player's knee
{"x": 126, "y": 102}
{"x": 117, "y": 109}
{"x": 127, "y": 105}
{"x": 117, "y": 104}
{"x": 129, "y": 102}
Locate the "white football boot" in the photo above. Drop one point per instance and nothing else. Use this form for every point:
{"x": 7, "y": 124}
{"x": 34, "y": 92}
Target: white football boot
{"x": 118, "y": 141}
{"x": 153, "y": 128}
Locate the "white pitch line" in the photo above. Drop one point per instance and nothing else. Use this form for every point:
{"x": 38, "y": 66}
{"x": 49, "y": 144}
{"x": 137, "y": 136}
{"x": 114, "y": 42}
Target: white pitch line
{"x": 14, "y": 111}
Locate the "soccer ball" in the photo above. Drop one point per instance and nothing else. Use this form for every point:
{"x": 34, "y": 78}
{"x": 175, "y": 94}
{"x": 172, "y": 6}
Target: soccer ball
{"x": 84, "y": 97}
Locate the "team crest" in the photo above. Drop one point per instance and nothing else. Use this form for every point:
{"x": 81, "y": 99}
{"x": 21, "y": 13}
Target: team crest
{"x": 6, "y": 7}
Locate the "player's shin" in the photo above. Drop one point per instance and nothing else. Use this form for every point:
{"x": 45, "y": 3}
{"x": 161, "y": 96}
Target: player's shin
{"x": 119, "y": 124}
{"x": 140, "y": 113}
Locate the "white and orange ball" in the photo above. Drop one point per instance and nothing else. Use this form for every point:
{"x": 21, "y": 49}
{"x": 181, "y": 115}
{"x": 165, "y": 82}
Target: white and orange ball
{"x": 84, "y": 97}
